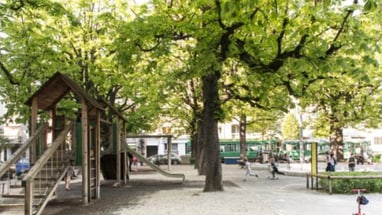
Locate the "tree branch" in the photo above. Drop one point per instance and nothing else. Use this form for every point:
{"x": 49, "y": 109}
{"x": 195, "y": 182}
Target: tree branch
{"x": 17, "y": 5}
{"x": 8, "y": 74}
{"x": 333, "y": 47}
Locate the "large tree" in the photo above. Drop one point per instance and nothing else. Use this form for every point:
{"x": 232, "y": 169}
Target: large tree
{"x": 284, "y": 47}
{"x": 75, "y": 39}
{"x": 284, "y": 44}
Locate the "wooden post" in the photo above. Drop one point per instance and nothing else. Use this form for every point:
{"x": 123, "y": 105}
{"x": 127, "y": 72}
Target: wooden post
{"x": 98, "y": 154}
{"x": 74, "y": 143}
{"x": 118, "y": 151}
{"x": 28, "y": 204}
{"x": 32, "y": 154}
{"x": 307, "y": 181}
{"x": 312, "y": 181}
{"x": 85, "y": 153}
{"x": 316, "y": 182}
{"x": 169, "y": 146}
{"x": 126, "y": 169}
{"x": 330, "y": 184}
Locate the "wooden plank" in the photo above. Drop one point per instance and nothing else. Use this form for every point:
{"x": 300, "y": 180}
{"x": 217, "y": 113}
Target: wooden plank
{"x": 34, "y": 110}
{"x": 98, "y": 155}
{"x": 85, "y": 154}
{"x": 118, "y": 150}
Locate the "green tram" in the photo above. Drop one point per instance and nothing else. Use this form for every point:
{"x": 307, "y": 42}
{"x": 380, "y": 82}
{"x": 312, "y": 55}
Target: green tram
{"x": 254, "y": 148}
{"x": 292, "y": 147}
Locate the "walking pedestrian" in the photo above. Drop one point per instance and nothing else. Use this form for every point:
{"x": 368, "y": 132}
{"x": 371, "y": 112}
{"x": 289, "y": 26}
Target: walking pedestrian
{"x": 331, "y": 161}
{"x": 351, "y": 162}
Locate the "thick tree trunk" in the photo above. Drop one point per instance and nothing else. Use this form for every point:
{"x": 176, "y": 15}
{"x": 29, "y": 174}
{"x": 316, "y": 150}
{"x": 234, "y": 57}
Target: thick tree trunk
{"x": 243, "y": 128}
{"x": 336, "y": 139}
{"x": 337, "y": 143}
{"x": 194, "y": 142}
{"x": 195, "y": 133}
{"x": 200, "y": 161}
{"x": 211, "y": 113}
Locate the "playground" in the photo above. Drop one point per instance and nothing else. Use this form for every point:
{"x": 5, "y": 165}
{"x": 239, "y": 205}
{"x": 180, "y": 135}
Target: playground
{"x": 150, "y": 192}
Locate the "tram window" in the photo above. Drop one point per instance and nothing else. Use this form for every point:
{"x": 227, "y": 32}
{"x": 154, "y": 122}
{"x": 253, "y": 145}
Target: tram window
{"x": 253, "y": 148}
{"x": 221, "y": 148}
{"x": 230, "y": 148}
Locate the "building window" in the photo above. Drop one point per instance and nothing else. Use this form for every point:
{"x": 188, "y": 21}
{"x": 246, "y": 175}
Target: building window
{"x": 188, "y": 148}
{"x": 378, "y": 140}
{"x": 235, "y": 131}
{"x": 174, "y": 148}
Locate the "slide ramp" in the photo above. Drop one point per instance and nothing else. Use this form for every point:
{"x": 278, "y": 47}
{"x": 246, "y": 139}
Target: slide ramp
{"x": 155, "y": 167}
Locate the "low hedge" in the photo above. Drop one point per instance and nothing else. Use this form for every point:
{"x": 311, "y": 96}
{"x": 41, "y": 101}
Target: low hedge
{"x": 346, "y": 185}
{"x": 376, "y": 158}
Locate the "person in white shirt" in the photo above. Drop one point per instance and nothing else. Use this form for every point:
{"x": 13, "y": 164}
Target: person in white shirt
{"x": 248, "y": 169}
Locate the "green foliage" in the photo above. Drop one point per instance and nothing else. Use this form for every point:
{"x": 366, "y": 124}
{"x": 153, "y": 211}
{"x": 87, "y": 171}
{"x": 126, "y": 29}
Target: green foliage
{"x": 346, "y": 185}
{"x": 321, "y": 127}
{"x": 290, "y": 127}
{"x": 376, "y": 158}
{"x": 147, "y": 59}
{"x": 371, "y": 5}
{"x": 4, "y": 142}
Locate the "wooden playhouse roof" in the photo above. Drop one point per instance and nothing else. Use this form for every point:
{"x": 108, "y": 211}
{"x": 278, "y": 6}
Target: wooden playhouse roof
{"x": 55, "y": 89}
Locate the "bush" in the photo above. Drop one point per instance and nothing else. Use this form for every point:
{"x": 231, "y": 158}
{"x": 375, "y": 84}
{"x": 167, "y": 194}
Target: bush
{"x": 376, "y": 158}
{"x": 346, "y": 185}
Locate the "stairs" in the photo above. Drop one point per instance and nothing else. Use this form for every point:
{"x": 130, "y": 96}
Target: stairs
{"x": 38, "y": 186}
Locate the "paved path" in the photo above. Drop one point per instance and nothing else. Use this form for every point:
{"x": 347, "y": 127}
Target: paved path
{"x": 150, "y": 193}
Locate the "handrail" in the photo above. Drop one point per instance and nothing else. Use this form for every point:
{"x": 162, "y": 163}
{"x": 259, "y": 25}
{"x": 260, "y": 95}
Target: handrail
{"x": 155, "y": 167}
{"x": 28, "y": 180}
{"x": 47, "y": 154}
{"x": 50, "y": 194}
{"x": 337, "y": 177}
{"x": 19, "y": 152}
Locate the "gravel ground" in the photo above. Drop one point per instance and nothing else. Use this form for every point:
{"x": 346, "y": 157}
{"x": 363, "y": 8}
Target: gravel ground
{"x": 148, "y": 192}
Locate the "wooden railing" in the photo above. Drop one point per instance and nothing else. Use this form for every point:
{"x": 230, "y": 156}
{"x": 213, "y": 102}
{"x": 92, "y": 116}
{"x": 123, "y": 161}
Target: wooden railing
{"x": 11, "y": 186}
{"x": 20, "y": 152}
{"x": 43, "y": 178}
{"x": 330, "y": 178}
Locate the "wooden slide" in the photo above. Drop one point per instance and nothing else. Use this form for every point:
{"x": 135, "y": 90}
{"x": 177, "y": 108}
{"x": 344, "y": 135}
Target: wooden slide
{"x": 155, "y": 167}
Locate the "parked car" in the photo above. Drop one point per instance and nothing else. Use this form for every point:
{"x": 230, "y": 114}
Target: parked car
{"x": 162, "y": 159}
{"x": 22, "y": 166}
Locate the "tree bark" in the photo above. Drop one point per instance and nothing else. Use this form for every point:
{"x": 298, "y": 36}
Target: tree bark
{"x": 199, "y": 161}
{"x": 336, "y": 139}
{"x": 211, "y": 104}
{"x": 243, "y": 128}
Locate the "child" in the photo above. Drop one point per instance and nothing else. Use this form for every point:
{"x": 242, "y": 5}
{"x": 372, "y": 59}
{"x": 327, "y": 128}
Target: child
{"x": 275, "y": 169}
{"x": 248, "y": 169}
{"x": 69, "y": 174}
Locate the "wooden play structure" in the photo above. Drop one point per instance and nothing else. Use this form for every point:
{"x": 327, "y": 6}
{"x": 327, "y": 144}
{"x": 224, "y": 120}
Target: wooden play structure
{"x": 55, "y": 140}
